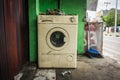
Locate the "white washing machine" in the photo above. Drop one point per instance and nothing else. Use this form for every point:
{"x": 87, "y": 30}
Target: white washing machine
{"x": 57, "y": 41}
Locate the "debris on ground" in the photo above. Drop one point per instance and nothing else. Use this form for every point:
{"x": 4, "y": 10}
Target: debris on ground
{"x": 18, "y": 76}
{"x": 45, "y": 74}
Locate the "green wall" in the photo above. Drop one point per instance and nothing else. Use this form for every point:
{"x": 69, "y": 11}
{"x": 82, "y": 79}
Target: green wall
{"x": 33, "y": 8}
{"x": 47, "y": 4}
{"x": 67, "y": 6}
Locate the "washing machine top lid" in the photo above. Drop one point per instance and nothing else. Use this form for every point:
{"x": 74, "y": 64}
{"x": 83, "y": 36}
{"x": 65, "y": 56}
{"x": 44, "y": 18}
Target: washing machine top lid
{"x": 62, "y": 19}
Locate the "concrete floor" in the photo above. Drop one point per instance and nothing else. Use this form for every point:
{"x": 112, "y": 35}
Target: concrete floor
{"x": 87, "y": 69}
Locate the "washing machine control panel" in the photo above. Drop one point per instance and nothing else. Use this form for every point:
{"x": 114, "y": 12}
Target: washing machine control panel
{"x": 58, "y": 19}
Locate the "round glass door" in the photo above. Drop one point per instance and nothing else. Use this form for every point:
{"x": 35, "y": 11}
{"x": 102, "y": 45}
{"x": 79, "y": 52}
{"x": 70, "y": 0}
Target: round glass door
{"x": 57, "y": 39}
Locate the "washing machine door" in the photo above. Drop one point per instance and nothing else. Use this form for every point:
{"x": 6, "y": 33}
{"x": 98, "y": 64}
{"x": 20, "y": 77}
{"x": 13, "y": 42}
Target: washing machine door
{"x": 57, "y": 38}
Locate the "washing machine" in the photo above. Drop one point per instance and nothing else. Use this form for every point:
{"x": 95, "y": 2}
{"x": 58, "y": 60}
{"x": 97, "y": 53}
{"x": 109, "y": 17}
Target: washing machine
{"x": 57, "y": 41}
